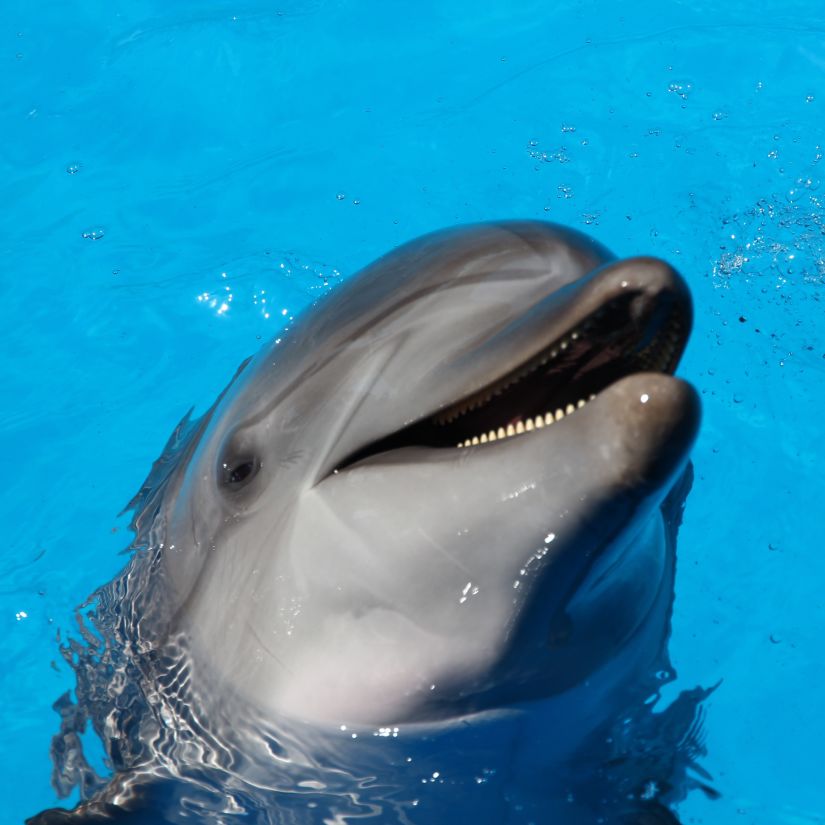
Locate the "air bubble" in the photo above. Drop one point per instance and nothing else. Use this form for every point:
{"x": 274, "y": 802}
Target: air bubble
{"x": 94, "y": 234}
{"x": 806, "y": 183}
{"x": 73, "y": 168}
{"x": 681, "y": 88}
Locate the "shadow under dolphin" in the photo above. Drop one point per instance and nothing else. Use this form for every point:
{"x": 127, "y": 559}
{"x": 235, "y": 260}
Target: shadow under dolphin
{"x": 416, "y": 564}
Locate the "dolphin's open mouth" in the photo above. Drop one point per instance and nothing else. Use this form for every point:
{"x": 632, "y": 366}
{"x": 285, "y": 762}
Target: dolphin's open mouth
{"x": 636, "y": 328}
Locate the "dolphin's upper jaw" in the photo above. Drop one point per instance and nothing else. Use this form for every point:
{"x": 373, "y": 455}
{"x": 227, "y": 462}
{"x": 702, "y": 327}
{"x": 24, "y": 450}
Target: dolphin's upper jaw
{"x": 628, "y": 318}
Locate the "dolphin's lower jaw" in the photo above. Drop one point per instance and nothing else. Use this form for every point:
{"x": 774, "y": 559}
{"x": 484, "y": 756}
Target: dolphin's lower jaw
{"x": 627, "y": 318}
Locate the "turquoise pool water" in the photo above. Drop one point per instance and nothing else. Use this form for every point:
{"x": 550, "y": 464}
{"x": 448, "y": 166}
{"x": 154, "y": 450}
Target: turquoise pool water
{"x": 179, "y": 180}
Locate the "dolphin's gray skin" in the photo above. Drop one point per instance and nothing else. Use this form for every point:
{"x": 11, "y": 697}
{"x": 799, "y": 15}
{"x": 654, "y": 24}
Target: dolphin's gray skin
{"x": 349, "y": 540}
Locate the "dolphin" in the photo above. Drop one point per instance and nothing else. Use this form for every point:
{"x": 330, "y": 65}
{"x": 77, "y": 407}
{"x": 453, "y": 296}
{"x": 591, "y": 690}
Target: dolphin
{"x": 437, "y": 517}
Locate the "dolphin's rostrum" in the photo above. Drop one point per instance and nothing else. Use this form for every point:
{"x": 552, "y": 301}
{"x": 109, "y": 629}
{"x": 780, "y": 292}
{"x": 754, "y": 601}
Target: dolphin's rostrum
{"x": 433, "y": 525}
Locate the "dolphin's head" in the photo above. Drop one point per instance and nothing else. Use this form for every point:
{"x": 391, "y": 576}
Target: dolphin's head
{"x": 440, "y": 492}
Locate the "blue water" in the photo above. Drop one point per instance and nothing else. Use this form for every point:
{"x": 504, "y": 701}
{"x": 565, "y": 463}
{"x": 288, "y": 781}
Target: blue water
{"x": 178, "y": 180}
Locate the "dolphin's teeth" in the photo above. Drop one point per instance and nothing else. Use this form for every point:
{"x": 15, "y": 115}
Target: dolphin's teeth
{"x": 554, "y": 353}
{"x": 538, "y": 422}
{"x": 574, "y": 336}
{"x": 563, "y": 345}
{"x": 528, "y": 426}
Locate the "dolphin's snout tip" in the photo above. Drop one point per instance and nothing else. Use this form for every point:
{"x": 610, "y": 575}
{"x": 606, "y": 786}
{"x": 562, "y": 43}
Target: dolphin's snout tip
{"x": 660, "y": 418}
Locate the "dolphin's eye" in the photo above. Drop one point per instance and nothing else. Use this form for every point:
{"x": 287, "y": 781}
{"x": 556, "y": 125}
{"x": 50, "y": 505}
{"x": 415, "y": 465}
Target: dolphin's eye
{"x": 238, "y": 472}
{"x": 238, "y": 461}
